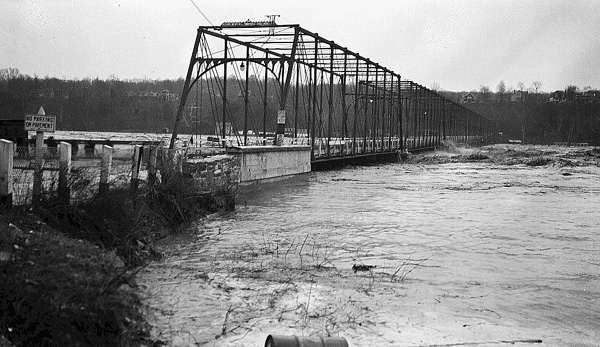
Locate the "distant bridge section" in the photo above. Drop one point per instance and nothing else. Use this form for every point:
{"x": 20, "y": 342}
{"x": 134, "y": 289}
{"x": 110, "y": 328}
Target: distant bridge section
{"x": 263, "y": 83}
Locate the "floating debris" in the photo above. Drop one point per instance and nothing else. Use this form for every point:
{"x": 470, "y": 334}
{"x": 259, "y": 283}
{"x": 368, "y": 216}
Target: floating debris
{"x": 356, "y": 268}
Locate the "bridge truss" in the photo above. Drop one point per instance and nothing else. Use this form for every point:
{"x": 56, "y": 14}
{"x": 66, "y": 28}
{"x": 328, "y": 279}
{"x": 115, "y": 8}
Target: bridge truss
{"x": 261, "y": 83}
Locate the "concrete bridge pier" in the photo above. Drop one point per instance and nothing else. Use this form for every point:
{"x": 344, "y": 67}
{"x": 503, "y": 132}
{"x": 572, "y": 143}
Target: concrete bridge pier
{"x": 266, "y": 164}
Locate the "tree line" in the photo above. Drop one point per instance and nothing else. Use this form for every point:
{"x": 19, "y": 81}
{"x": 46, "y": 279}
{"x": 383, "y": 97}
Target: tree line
{"x": 140, "y": 105}
{"x": 571, "y": 115}
{"x": 91, "y": 104}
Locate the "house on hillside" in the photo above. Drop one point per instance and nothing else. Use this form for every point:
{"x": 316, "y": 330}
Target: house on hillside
{"x": 468, "y": 98}
{"x": 558, "y": 96}
{"x": 167, "y": 95}
{"x": 572, "y": 95}
{"x": 518, "y": 95}
{"x": 588, "y": 96}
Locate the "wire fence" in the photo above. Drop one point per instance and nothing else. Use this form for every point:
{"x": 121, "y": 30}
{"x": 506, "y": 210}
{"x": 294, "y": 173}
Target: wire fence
{"x": 83, "y": 180}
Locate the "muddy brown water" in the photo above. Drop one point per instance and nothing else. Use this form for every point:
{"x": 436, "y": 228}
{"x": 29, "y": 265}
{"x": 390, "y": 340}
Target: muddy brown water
{"x": 456, "y": 254}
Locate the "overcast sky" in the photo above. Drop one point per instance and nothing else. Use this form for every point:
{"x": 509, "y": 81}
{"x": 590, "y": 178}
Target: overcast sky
{"x": 460, "y": 45}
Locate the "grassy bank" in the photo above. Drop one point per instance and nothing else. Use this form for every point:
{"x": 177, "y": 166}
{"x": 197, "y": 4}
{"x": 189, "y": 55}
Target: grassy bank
{"x": 66, "y": 272}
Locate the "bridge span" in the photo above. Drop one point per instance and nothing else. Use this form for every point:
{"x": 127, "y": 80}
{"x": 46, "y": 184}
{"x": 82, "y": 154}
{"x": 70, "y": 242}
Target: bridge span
{"x": 261, "y": 83}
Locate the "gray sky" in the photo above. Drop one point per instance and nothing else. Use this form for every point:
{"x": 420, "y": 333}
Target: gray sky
{"x": 460, "y": 45}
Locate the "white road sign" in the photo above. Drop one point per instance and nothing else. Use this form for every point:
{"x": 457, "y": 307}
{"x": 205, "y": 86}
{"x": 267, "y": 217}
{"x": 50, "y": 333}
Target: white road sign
{"x": 34, "y": 122}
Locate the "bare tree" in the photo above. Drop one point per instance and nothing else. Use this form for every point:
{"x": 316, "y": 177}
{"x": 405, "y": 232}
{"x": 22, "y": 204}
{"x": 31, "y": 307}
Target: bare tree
{"x": 501, "y": 89}
{"x": 436, "y": 87}
{"x": 521, "y": 86}
{"x": 9, "y": 74}
{"x": 485, "y": 93}
{"x": 537, "y": 85}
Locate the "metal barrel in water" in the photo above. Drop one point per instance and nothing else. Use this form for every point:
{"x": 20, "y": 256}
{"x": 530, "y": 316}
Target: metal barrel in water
{"x": 301, "y": 341}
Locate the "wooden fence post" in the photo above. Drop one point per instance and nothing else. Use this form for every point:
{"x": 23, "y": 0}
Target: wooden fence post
{"x": 135, "y": 169}
{"x": 107, "y": 154}
{"x": 6, "y": 174}
{"x": 64, "y": 172}
{"x": 152, "y": 160}
{"x": 38, "y": 167}
{"x": 180, "y": 158}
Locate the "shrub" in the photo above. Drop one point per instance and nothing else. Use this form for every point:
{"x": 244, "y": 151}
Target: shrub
{"x": 477, "y": 156}
{"x": 58, "y": 291}
{"x": 538, "y": 161}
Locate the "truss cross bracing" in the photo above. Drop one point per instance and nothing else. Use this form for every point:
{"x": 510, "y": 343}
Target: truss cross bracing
{"x": 262, "y": 83}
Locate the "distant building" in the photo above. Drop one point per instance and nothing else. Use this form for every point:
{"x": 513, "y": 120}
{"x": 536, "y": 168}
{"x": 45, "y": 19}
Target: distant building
{"x": 468, "y": 98}
{"x": 13, "y": 130}
{"x": 558, "y": 96}
{"x": 167, "y": 95}
{"x": 518, "y": 95}
{"x": 588, "y": 96}
{"x": 574, "y": 96}
{"x": 162, "y": 95}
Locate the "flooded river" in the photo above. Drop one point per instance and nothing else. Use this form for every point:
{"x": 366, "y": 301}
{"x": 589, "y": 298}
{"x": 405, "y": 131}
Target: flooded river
{"x": 424, "y": 253}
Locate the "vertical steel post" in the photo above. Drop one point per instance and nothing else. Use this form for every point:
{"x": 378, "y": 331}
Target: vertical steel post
{"x": 224, "y": 96}
{"x": 266, "y": 89}
{"x": 416, "y": 111}
{"x": 356, "y": 91}
{"x": 383, "y": 111}
{"x": 246, "y": 96}
{"x": 296, "y": 105}
{"x": 391, "y": 117}
{"x": 412, "y": 131}
{"x": 314, "y": 100}
{"x": 430, "y": 113}
{"x": 375, "y": 112}
{"x": 429, "y": 121}
{"x": 422, "y": 115}
{"x": 443, "y": 120}
{"x": 329, "y": 120}
{"x": 321, "y": 90}
{"x": 400, "y": 118}
{"x": 344, "y": 80}
{"x": 435, "y": 125}
{"x": 367, "y": 102}
{"x": 309, "y": 102}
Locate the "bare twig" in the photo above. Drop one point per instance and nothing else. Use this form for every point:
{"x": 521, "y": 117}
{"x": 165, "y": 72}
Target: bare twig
{"x": 301, "y": 248}
{"x": 224, "y": 330}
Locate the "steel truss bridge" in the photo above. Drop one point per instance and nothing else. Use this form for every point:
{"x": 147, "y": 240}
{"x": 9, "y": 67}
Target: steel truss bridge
{"x": 260, "y": 83}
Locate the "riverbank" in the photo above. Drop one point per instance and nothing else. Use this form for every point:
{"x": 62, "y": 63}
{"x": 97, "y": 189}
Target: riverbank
{"x": 477, "y": 247}
{"x": 62, "y": 291}
{"x": 67, "y": 272}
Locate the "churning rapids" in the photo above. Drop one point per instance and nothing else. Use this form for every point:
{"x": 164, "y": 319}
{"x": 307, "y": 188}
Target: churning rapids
{"x": 448, "y": 250}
